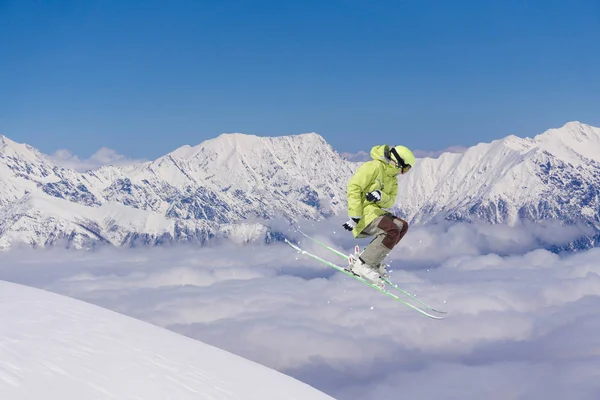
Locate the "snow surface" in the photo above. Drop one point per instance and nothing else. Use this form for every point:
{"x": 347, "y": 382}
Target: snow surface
{"x": 55, "y": 347}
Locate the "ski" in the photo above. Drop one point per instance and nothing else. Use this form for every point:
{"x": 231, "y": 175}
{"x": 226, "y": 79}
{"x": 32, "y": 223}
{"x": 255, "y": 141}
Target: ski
{"x": 386, "y": 280}
{"x": 358, "y": 278}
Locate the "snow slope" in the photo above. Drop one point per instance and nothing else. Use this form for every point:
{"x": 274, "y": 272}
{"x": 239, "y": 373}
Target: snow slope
{"x": 55, "y": 347}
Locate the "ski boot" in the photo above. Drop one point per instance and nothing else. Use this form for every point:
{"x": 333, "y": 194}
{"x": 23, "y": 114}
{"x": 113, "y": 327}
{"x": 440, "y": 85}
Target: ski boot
{"x": 380, "y": 268}
{"x": 365, "y": 271}
{"x": 382, "y": 271}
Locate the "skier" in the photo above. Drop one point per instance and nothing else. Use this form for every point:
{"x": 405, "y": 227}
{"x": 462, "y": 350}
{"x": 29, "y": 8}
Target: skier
{"x": 371, "y": 190}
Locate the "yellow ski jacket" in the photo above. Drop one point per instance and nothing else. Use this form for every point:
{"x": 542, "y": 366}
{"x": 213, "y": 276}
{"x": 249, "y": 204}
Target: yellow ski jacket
{"x": 377, "y": 174}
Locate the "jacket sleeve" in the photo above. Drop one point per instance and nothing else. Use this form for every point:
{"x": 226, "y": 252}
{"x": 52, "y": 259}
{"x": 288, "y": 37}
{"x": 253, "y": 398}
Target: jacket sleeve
{"x": 357, "y": 186}
{"x": 389, "y": 199}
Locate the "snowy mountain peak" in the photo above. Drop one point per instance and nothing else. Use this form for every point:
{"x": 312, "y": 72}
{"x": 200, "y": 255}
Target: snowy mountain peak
{"x": 6, "y": 143}
{"x": 244, "y": 144}
{"x": 516, "y": 143}
{"x": 13, "y": 149}
{"x": 572, "y": 129}
{"x": 574, "y": 142}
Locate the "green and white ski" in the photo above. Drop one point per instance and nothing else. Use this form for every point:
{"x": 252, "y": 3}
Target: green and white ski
{"x": 386, "y": 280}
{"x": 358, "y": 278}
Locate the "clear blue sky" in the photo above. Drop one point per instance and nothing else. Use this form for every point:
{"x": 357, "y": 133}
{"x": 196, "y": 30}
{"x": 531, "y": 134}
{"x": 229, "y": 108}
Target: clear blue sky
{"x": 144, "y": 77}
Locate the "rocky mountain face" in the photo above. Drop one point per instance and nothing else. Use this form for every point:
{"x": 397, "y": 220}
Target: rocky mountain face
{"x": 223, "y": 188}
{"x": 552, "y": 176}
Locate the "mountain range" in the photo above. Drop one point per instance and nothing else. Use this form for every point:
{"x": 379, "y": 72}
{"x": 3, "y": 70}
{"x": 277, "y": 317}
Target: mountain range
{"x": 231, "y": 186}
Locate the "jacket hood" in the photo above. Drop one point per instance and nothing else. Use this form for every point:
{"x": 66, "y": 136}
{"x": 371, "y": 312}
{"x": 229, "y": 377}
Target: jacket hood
{"x": 379, "y": 153}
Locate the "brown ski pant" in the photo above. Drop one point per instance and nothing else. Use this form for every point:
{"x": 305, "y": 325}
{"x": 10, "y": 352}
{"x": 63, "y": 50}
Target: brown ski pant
{"x": 388, "y": 231}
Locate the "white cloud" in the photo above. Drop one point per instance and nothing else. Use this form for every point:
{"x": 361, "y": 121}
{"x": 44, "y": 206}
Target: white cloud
{"x": 437, "y": 153}
{"x": 360, "y": 156}
{"x": 363, "y": 156}
{"x": 522, "y": 321}
{"x": 104, "y": 156}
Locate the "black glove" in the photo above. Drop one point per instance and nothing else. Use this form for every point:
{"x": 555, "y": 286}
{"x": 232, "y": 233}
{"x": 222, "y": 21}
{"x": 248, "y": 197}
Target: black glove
{"x": 373, "y": 196}
{"x": 350, "y": 224}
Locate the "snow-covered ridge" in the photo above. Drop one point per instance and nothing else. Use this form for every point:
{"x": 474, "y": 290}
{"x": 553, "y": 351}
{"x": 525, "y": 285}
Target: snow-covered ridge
{"x": 214, "y": 189}
{"x": 551, "y": 176}
{"x": 196, "y": 193}
{"x": 55, "y": 347}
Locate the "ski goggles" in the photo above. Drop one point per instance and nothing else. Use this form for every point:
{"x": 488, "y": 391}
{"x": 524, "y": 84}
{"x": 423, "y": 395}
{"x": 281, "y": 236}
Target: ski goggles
{"x": 399, "y": 162}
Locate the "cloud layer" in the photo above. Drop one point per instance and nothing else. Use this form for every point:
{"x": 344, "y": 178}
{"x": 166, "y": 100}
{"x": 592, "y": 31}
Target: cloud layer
{"x": 522, "y": 321}
{"x": 362, "y": 156}
{"x": 104, "y": 156}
